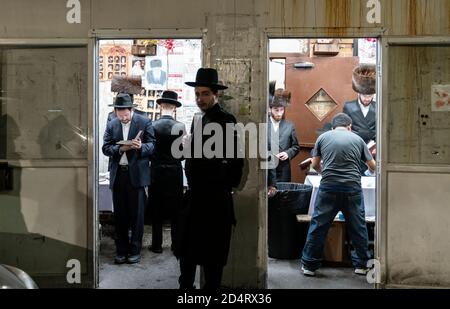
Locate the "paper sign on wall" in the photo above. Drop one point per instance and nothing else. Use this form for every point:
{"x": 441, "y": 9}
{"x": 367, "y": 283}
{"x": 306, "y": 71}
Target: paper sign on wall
{"x": 440, "y": 98}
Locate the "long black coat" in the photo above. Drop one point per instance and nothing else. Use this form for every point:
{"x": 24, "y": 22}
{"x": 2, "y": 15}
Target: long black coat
{"x": 208, "y": 214}
{"x": 166, "y": 189}
{"x": 365, "y": 127}
{"x": 287, "y": 143}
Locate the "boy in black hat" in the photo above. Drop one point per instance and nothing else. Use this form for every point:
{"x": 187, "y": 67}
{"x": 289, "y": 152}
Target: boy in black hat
{"x": 166, "y": 189}
{"x": 205, "y": 237}
{"x": 129, "y": 175}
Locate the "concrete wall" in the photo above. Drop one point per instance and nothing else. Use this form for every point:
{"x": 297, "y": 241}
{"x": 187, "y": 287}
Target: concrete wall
{"x": 238, "y": 30}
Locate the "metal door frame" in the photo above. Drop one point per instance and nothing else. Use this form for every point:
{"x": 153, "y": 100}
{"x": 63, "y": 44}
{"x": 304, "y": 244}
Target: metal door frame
{"x": 315, "y": 33}
{"x": 115, "y": 34}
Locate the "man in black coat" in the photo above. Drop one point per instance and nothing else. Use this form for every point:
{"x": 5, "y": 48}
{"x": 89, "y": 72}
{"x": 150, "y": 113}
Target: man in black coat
{"x": 288, "y": 146}
{"x": 209, "y": 216}
{"x": 363, "y": 110}
{"x": 112, "y": 115}
{"x": 129, "y": 175}
{"x": 166, "y": 189}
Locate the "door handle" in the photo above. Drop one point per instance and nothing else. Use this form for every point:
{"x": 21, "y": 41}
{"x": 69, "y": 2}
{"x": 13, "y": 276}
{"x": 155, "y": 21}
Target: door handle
{"x": 6, "y": 177}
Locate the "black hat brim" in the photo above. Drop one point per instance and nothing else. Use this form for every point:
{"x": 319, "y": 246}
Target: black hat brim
{"x": 169, "y": 101}
{"x": 214, "y": 86}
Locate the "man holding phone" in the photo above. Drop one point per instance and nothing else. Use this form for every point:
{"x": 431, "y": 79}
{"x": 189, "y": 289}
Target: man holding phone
{"x": 129, "y": 175}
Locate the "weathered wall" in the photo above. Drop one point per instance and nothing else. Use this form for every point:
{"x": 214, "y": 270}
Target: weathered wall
{"x": 233, "y": 30}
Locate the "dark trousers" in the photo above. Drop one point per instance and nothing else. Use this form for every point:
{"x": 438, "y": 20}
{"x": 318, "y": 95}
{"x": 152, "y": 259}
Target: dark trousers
{"x": 328, "y": 204}
{"x": 157, "y": 230}
{"x": 212, "y": 272}
{"x": 129, "y": 206}
{"x": 284, "y": 171}
{"x": 164, "y": 204}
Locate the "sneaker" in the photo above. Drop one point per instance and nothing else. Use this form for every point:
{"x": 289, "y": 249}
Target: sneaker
{"x": 120, "y": 259}
{"x": 133, "y": 259}
{"x": 361, "y": 271}
{"x": 307, "y": 272}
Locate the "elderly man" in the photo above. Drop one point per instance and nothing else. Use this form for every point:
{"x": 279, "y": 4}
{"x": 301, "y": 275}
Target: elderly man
{"x": 339, "y": 190}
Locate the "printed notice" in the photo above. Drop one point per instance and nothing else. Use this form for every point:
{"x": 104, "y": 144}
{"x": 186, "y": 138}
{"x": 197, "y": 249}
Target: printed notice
{"x": 440, "y": 98}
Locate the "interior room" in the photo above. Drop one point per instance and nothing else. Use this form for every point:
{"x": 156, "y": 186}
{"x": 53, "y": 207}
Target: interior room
{"x": 316, "y": 74}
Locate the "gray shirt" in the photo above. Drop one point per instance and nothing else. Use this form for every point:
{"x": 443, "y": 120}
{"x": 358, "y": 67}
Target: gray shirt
{"x": 341, "y": 152}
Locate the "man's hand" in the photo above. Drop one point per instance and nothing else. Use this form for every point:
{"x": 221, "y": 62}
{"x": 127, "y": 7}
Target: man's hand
{"x": 271, "y": 191}
{"x": 137, "y": 143}
{"x": 186, "y": 140}
{"x": 283, "y": 156}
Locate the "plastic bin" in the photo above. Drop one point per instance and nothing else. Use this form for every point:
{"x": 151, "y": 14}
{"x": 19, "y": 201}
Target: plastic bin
{"x": 286, "y": 237}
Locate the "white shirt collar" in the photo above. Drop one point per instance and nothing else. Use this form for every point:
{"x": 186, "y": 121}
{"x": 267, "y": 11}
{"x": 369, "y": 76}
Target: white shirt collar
{"x": 275, "y": 124}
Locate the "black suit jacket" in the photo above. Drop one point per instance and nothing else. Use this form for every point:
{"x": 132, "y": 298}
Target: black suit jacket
{"x": 365, "y": 127}
{"x": 167, "y": 173}
{"x": 164, "y": 139}
{"x": 138, "y": 160}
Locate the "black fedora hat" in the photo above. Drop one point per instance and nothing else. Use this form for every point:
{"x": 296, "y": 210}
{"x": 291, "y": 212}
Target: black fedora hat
{"x": 207, "y": 77}
{"x": 123, "y": 100}
{"x": 170, "y": 97}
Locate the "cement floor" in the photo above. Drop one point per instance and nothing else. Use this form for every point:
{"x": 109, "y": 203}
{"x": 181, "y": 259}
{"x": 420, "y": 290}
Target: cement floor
{"x": 161, "y": 271}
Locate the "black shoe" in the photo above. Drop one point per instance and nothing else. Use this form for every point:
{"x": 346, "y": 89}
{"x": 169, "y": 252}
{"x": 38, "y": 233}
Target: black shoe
{"x": 155, "y": 250}
{"x": 133, "y": 259}
{"x": 120, "y": 259}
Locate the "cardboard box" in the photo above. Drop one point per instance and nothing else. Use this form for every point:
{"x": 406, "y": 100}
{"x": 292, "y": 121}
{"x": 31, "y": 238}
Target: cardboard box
{"x": 335, "y": 248}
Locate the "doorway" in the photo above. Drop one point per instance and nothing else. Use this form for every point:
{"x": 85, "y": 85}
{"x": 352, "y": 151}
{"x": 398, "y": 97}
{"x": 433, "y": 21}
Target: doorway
{"x": 151, "y": 66}
{"x": 316, "y": 75}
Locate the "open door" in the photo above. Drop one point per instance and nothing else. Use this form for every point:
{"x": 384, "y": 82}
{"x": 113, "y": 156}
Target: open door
{"x": 45, "y": 200}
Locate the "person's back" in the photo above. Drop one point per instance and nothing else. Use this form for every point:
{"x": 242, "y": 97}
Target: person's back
{"x": 164, "y": 139}
{"x": 341, "y": 151}
{"x": 166, "y": 189}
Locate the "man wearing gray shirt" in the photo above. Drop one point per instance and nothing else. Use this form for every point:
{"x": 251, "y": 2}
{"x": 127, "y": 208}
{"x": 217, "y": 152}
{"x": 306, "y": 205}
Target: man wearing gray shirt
{"x": 340, "y": 151}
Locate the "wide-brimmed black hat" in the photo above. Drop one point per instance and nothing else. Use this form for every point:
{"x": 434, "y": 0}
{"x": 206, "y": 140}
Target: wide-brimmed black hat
{"x": 123, "y": 100}
{"x": 170, "y": 97}
{"x": 207, "y": 77}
